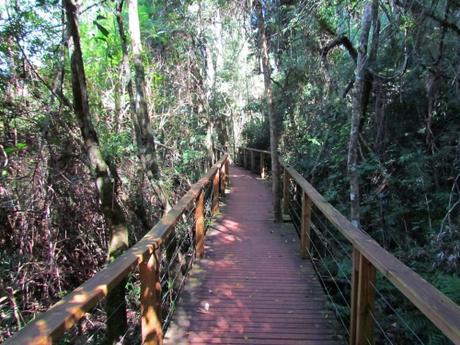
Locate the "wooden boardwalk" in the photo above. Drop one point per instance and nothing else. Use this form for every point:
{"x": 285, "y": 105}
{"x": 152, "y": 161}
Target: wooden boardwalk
{"x": 252, "y": 287}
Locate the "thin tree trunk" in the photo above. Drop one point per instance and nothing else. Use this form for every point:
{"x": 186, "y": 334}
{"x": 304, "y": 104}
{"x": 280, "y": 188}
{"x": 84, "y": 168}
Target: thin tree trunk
{"x": 144, "y": 136}
{"x": 274, "y": 130}
{"x": 116, "y": 305}
{"x": 357, "y": 112}
{"x": 210, "y": 142}
{"x": 124, "y": 66}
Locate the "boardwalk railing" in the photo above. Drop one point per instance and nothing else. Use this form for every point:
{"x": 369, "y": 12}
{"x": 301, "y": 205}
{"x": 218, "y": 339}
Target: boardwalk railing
{"x": 316, "y": 220}
{"x": 161, "y": 256}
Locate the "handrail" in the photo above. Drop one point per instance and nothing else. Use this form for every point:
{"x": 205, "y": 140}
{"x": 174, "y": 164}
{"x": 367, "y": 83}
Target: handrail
{"x": 64, "y": 314}
{"x": 368, "y": 255}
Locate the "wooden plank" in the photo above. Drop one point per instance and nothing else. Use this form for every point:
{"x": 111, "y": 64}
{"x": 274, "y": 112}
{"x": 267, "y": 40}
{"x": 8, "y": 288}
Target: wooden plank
{"x": 227, "y": 173}
{"x": 199, "y": 226}
{"x": 253, "y": 288}
{"x": 215, "y": 194}
{"x": 151, "y": 331}
{"x": 257, "y": 150}
{"x": 437, "y": 307}
{"x": 362, "y": 301}
{"x": 354, "y": 295}
{"x": 64, "y": 314}
{"x": 286, "y": 192}
{"x": 262, "y": 165}
{"x": 365, "y": 307}
{"x": 305, "y": 226}
{"x": 222, "y": 179}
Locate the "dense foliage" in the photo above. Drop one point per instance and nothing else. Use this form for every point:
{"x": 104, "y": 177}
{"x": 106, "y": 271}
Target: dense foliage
{"x": 408, "y": 149}
{"x": 204, "y": 90}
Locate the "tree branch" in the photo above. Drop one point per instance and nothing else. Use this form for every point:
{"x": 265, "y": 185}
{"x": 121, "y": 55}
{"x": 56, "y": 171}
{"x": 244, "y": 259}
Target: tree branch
{"x": 415, "y": 6}
{"x": 345, "y": 42}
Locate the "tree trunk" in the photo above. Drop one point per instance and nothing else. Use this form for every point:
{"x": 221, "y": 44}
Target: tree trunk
{"x": 144, "y": 136}
{"x": 356, "y": 113}
{"x": 274, "y": 125}
{"x": 210, "y": 142}
{"x": 116, "y": 305}
{"x": 124, "y": 66}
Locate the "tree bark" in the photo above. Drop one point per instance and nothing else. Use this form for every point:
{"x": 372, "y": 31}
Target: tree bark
{"x": 357, "y": 112}
{"x": 116, "y": 305}
{"x": 144, "y": 136}
{"x": 273, "y": 118}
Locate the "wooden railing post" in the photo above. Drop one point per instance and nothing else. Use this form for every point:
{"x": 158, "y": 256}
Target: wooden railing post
{"x": 199, "y": 225}
{"x": 152, "y": 333}
{"x": 222, "y": 178}
{"x": 215, "y": 193}
{"x": 305, "y": 226}
{"x": 245, "y": 158}
{"x": 253, "y": 161}
{"x": 362, "y": 301}
{"x": 227, "y": 172}
{"x": 285, "y": 192}
{"x": 262, "y": 165}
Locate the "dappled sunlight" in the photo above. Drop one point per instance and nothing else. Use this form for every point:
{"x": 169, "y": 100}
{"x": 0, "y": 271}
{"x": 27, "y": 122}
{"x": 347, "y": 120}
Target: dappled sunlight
{"x": 253, "y": 287}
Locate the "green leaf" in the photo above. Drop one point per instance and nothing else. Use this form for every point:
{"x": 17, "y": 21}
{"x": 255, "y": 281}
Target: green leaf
{"x": 21, "y": 146}
{"x": 102, "y": 29}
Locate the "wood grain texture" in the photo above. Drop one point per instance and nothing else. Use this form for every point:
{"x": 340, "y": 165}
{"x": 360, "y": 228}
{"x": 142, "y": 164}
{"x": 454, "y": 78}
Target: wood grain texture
{"x": 64, "y": 314}
{"x": 199, "y": 225}
{"x": 437, "y": 307}
{"x": 252, "y": 287}
{"x": 149, "y": 272}
{"x": 286, "y": 178}
{"x": 305, "y": 226}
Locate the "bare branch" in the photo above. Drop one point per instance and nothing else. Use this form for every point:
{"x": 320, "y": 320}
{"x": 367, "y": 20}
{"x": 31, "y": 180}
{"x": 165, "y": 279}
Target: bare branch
{"x": 345, "y": 42}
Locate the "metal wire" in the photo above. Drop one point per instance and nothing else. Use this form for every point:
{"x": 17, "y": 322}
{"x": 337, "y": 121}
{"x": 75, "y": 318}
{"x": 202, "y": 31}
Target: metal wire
{"x": 381, "y": 297}
{"x": 330, "y": 297}
{"x": 332, "y": 255}
{"x": 381, "y": 328}
{"x": 330, "y": 274}
{"x": 346, "y": 251}
{"x": 182, "y": 241}
{"x": 388, "y": 304}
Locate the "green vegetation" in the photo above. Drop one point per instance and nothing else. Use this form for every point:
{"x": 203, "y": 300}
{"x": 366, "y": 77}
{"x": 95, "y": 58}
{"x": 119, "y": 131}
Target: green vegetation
{"x": 196, "y": 84}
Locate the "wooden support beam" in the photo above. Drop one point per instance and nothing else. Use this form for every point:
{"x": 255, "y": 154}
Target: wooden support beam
{"x": 199, "y": 226}
{"x": 305, "y": 226}
{"x": 215, "y": 194}
{"x": 152, "y": 333}
{"x": 354, "y": 295}
{"x": 227, "y": 172}
{"x": 262, "y": 165}
{"x": 285, "y": 192}
{"x": 362, "y": 301}
{"x": 222, "y": 179}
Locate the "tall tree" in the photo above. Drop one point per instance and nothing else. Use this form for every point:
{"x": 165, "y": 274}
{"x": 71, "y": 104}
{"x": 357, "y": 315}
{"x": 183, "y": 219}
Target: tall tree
{"x": 144, "y": 131}
{"x": 113, "y": 213}
{"x": 272, "y": 115}
{"x": 358, "y": 109}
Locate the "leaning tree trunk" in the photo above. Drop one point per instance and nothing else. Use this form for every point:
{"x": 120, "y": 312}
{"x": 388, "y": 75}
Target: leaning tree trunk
{"x": 274, "y": 125}
{"x": 144, "y": 136}
{"x": 116, "y": 305}
{"x": 356, "y": 113}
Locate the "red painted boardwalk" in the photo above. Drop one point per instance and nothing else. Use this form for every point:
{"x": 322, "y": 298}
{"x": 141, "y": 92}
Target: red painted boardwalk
{"x": 252, "y": 287}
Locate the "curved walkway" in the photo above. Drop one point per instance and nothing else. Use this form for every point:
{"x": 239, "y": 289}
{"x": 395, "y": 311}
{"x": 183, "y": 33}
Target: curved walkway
{"x": 252, "y": 287}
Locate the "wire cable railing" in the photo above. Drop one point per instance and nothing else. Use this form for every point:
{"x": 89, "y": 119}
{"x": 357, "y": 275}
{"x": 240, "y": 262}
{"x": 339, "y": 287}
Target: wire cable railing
{"x": 372, "y": 294}
{"x": 156, "y": 267}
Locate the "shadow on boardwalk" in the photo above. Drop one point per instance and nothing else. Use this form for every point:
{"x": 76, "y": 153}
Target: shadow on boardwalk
{"x": 252, "y": 287}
